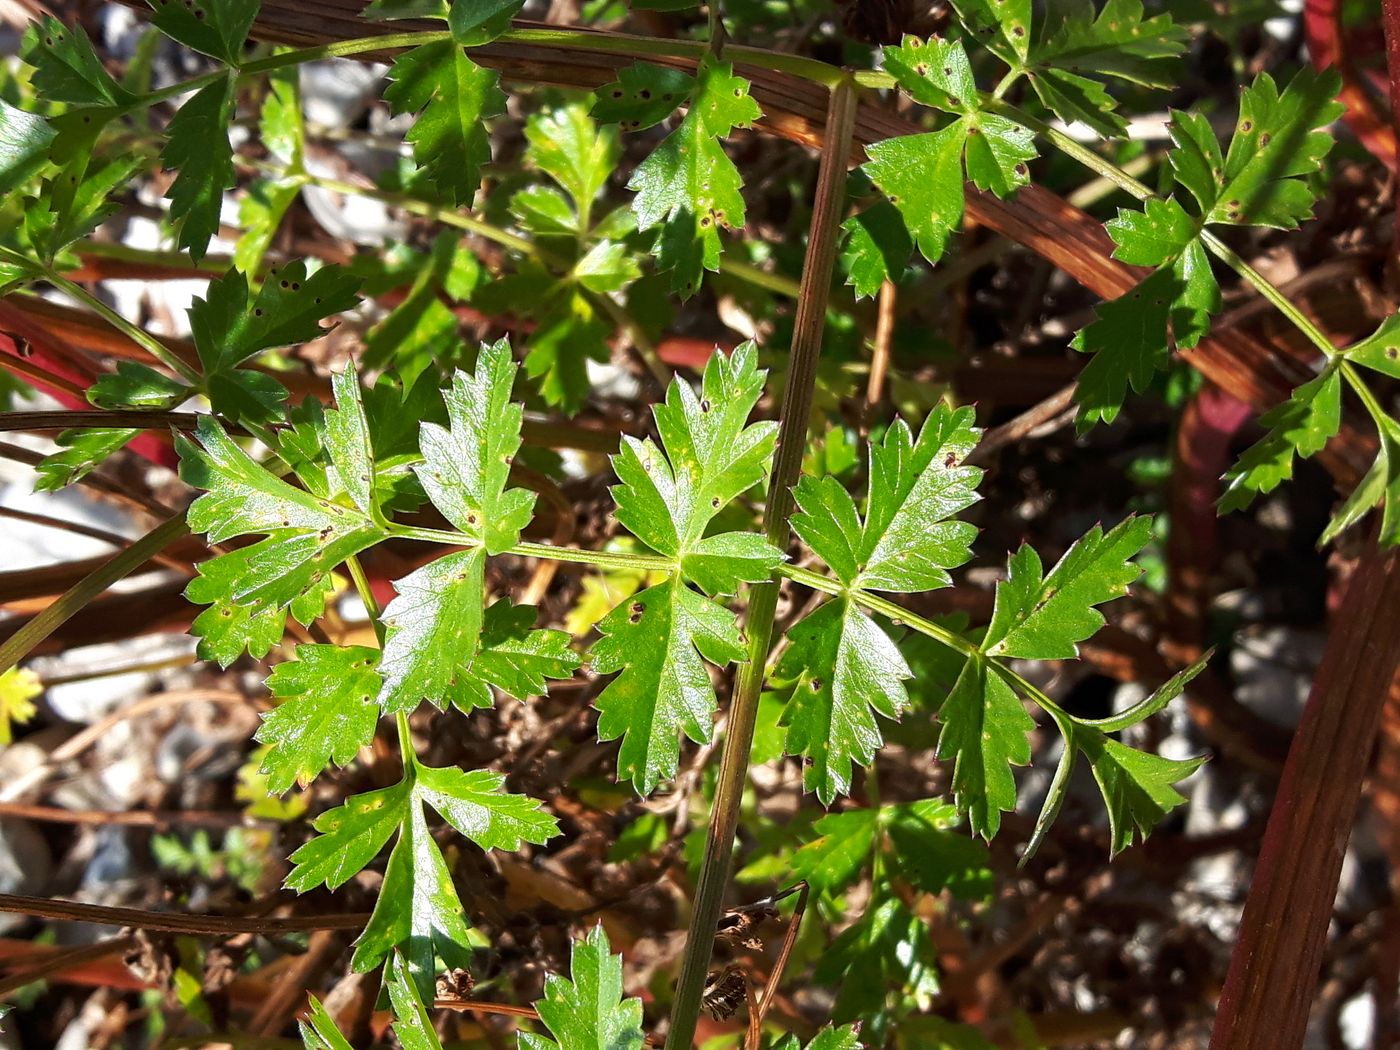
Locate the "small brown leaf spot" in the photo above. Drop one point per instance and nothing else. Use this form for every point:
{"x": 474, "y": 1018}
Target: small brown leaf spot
{"x": 955, "y": 100}
{"x": 715, "y": 503}
{"x": 816, "y": 685}
{"x": 1265, "y": 139}
{"x": 1392, "y": 352}
{"x": 922, "y": 69}
{"x": 644, "y": 94}
{"x": 616, "y": 92}
{"x": 285, "y": 284}
{"x": 296, "y": 286}
{"x": 705, "y": 405}
{"x": 706, "y": 222}
{"x": 471, "y": 519}
{"x": 638, "y": 608}
{"x": 1018, "y": 31}
{"x": 1021, "y": 169}
{"x": 635, "y": 618}
{"x": 257, "y": 312}
{"x": 951, "y": 460}
{"x": 947, "y": 71}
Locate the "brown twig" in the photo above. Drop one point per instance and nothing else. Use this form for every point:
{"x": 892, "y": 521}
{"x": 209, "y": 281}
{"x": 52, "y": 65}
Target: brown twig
{"x": 64, "y": 959}
{"x": 136, "y": 818}
{"x": 174, "y": 922}
{"x": 775, "y": 976}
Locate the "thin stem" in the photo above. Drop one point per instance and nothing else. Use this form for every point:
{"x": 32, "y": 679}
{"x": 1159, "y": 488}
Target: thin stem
{"x": 1269, "y": 291}
{"x": 121, "y": 564}
{"x": 135, "y": 333}
{"x": 808, "y": 329}
{"x": 1125, "y": 182}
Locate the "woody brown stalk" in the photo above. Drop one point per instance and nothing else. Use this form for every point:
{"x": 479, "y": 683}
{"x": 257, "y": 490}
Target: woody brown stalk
{"x": 1278, "y": 955}
{"x": 796, "y": 410}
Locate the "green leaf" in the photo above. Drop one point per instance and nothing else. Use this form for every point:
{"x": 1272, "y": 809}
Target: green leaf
{"x": 1278, "y": 141}
{"x": 847, "y": 669}
{"x": 587, "y": 1010}
{"x": 80, "y": 453}
{"x": 475, "y": 22}
{"x": 517, "y": 659}
{"x": 134, "y": 385}
{"x": 642, "y": 95}
{"x": 318, "y": 1031}
{"x": 411, "y": 1024}
{"x": 568, "y": 146}
{"x": 1379, "y": 351}
{"x": 347, "y": 440}
{"x": 935, "y": 72}
{"x": 932, "y": 856}
{"x": 453, "y": 97}
{"x": 1129, "y": 342}
{"x": 1136, "y": 786}
{"x": 657, "y": 639}
{"x": 668, "y": 499}
{"x": 1004, "y": 26}
{"x": 1196, "y": 161}
{"x": 351, "y": 835}
{"x": 230, "y": 325}
{"x": 607, "y": 267}
{"x": 922, "y": 176}
{"x": 1041, "y": 616}
{"x": 886, "y": 954}
{"x": 472, "y": 802}
{"x": 1114, "y": 42}
{"x": 985, "y": 732}
{"x": 1300, "y": 426}
{"x": 834, "y": 860}
{"x": 1157, "y": 234}
{"x": 260, "y": 214}
{"x": 306, "y": 537}
{"x": 466, "y": 465}
{"x": 327, "y": 712}
{"x": 569, "y": 334}
{"x": 433, "y": 629}
{"x": 689, "y": 187}
{"x": 67, "y": 69}
{"x": 197, "y": 148}
{"x": 24, "y": 146}
{"x": 418, "y": 910}
{"x": 877, "y": 248}
{"x": 216, "y": 28}
{"x": 910, "y": 537}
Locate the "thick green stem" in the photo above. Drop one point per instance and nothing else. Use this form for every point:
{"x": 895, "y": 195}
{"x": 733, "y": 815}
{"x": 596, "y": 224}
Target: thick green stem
{"x": 763, "y": 598}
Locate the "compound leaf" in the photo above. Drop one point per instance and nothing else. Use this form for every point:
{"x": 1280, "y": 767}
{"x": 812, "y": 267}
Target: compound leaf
{"x": 1137, "y": 787}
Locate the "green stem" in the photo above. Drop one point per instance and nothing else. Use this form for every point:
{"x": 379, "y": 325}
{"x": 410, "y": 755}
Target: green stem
{"x": 137, "y": 335}
{"x": 1125, "y": 182}
{"x": 808, "y": 329}
{"x": 119, "y": 566}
